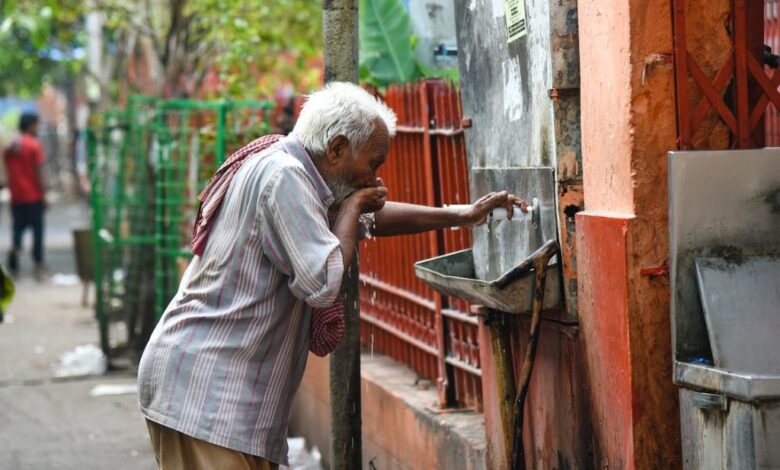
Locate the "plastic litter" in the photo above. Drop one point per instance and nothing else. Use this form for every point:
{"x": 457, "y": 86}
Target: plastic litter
{"x": 86, "y": 359}
{"x": 65, "y": 280}
{"x": 300, "y": 458}
{"x": 102, "y": 390}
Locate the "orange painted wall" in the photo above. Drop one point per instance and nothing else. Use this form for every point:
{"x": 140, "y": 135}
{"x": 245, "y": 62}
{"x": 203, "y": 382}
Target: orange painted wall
{"x": 605, "y": 70}
{"x": 628, "y": 126}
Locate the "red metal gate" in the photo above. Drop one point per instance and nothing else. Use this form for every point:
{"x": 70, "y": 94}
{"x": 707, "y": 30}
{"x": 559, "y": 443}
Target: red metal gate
{"x": 740, "y": 91}
{"x": 772, "y": 39}
{"x": 401, "y": 316}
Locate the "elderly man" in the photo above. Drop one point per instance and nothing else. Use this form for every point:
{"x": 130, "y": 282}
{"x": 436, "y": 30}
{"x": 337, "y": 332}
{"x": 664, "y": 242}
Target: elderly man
{"x": 217, "y": 378}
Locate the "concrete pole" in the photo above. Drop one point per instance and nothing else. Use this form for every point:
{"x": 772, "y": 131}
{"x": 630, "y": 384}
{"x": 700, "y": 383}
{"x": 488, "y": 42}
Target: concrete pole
{"x": 340, "y": 35}
{"x": 340, "y": 40}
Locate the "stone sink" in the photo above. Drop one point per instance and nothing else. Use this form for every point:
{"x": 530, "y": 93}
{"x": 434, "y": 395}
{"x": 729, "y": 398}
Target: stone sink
{"x": 454, "y": 275}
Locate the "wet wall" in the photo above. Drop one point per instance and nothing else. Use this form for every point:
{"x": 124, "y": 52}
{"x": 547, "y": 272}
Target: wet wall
{"x": 522, "y": 98}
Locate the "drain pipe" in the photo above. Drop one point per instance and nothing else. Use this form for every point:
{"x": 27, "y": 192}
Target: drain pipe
{"x": 540, "y": 259}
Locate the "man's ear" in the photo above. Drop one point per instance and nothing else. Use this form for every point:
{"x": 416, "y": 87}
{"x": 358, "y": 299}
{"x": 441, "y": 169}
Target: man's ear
{"x": 338, "y": 148}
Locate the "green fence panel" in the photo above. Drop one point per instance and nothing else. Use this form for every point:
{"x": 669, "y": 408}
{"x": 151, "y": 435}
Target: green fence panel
{"x": 119, "y": 150}
{"x": 193, "y": 138}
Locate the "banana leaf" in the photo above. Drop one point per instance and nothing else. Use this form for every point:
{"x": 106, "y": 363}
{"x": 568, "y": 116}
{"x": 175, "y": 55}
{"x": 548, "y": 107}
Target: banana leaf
{"x": 386, "y": 43}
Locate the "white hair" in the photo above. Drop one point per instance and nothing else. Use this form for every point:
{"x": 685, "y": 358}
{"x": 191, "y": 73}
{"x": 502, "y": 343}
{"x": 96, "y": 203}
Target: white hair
{"x": 341, "y": 108}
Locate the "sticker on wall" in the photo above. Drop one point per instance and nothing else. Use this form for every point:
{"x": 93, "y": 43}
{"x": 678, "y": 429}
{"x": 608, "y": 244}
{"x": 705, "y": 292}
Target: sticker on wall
{"x": 515, "y": 19}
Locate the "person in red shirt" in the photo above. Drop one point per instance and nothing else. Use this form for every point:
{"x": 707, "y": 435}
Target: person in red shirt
{"x": 24, "y": 160}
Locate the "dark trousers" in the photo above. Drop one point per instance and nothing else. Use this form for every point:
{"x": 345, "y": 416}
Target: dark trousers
{"x": 28, "y": 216}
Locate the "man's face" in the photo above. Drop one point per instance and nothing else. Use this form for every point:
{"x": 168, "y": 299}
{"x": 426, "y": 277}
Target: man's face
{"x": 355, "y": 170}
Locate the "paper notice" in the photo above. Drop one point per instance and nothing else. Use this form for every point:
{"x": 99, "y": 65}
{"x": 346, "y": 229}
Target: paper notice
{"x": 515, "y": 19}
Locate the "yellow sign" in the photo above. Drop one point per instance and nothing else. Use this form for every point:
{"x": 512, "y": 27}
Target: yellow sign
{"x": 515, "y": 19}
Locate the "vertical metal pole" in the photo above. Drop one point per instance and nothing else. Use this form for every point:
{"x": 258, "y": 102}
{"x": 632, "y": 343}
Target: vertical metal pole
{"x": 443, "y": 382}
{"x": 98, "y": 205}
{"x": 754, "y": 46}
{"x": 740, "y": 50}
{"x": 503, "y": 364}
{"x": 221, "y": 135}
{"x": 681, "y": 75}
{"x": 161, "y": 135}
{"x": 340, "y": 41}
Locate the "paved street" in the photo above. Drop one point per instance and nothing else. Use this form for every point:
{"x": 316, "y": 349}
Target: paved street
{"x": 48, "y": 422}
{"x": 54, "y": 423}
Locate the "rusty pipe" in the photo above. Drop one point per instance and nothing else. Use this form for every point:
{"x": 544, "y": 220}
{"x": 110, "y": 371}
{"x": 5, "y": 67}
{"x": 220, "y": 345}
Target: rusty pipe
{"x": 540, "y": 259}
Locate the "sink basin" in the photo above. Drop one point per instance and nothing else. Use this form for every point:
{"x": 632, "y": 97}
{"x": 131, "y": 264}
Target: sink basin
{"x": 454, "y": 275}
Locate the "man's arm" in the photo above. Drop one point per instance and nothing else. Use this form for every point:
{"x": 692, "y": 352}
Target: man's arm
{"x": 298, "y": 241}
{"x": 398, "y": 218}
{"x": 345, "y": 227}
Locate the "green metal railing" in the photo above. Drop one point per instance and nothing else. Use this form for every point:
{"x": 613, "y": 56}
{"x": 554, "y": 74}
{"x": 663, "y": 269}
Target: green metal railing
{"x": 147, "y": 164}
{"x": 121, "y": 177}
{"x": 193, "y": 139}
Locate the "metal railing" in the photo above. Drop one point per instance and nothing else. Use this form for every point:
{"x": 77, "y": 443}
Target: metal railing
{"x": 193, "y": 138}
{"x": 119, "y": 164}
{"x": 161, "y": 155}
{"x": 147, "y": 164}
{"x": 402, "y": 317}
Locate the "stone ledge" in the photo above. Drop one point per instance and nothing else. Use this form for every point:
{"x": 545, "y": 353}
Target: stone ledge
{"x": 402, "y": 425}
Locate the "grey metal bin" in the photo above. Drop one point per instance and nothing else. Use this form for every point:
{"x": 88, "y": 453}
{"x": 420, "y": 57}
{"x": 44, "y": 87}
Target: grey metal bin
{"x": 724, "y": 220}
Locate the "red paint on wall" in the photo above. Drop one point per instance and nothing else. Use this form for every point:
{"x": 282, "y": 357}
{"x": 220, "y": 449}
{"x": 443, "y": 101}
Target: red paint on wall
{"x": 603, "y": 294}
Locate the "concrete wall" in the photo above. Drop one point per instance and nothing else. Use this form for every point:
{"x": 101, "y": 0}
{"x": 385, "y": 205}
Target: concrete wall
{"x": 434, "y": 24}
{"x": 403, "y": 428}
{"x": 505, "y": 86}
{"x": 524, "y": 103}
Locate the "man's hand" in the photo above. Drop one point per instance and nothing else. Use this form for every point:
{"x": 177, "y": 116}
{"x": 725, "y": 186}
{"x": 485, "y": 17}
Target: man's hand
{"x": 477, "y": 213}
{"x": 369, "y": 199}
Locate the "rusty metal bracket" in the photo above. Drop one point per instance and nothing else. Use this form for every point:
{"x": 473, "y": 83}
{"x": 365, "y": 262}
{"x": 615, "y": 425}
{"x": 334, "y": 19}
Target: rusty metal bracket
{"x": 655, "y": 271}
{"x": 556, "y": 93}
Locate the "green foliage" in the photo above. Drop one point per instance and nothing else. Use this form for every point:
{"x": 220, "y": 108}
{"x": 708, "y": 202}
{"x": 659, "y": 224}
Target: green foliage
{"x": 451, "y": 75}
{"x": 263, "y": 45}
{"x": 255, "y": 45}
{"x": 37, "y": 40}
{"x": 386, "y": 43}
{"x": 387, "y": 46}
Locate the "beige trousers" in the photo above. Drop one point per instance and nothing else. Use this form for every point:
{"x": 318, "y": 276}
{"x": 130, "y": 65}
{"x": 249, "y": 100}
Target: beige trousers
{"x": 176, "y": 451}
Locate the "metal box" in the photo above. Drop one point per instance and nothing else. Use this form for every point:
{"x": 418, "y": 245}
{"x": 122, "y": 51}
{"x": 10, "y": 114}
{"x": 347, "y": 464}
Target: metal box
{"x": 724, "y": 223}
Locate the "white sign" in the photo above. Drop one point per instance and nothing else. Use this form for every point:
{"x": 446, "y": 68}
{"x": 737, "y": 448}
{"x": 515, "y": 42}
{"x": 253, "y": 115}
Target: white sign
{"x": 515, "y": 19}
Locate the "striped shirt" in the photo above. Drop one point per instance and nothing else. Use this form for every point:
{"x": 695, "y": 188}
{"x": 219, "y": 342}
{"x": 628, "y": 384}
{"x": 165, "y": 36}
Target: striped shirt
{"x": 229, "y": 353}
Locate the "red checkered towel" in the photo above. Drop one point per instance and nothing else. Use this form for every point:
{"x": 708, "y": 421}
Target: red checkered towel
{"x": 327, "y": 324}
{"x": 327, "y": 328}
{"x": 211, "y": 197}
